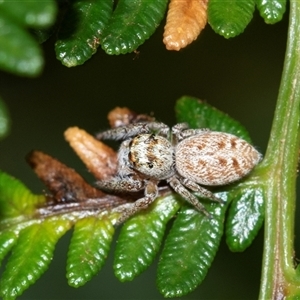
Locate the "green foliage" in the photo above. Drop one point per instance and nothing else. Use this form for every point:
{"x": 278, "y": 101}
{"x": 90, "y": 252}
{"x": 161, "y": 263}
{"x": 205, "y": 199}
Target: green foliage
{"x": 279, "y": 172}
{"x": 245, "y": 215}
{"x": 80, "y": 32}
{"x": 202, "y": 115}
{"x": 33, "y": 14}
{"x": 31, "y": 256}
{"x": 19, "y": 52}
{"x": 4, "y": 120}
{"x": 131, "y": 24}
{"x": 16, "y": 199}
{"x": 271, "y": 10}
{"x": 230, "y": 18}
{"x": 246, "y": 212}
{"x": 141, "y": 237}
{"x": 85, "y": 24}
{"x": 32, "y": 236}
{"x": 189, "y": 249}
{"x": 88, "y": 249}
{"x": 7, "y": 240}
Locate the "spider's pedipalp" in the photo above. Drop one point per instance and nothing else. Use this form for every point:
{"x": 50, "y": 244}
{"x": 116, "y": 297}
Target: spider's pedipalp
{"x": 122, "y": 184}
{"x": 124, "y": 166}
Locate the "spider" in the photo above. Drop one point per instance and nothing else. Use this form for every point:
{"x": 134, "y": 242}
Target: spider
{"x": 185, "y": 158}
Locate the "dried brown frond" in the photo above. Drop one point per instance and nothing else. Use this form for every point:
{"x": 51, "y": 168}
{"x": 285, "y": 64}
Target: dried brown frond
{"x": 64, "y": 183}
{"x": 100, "y": 159}
{"x": 122, "y": 116}
{"x": 185, "y": 20}
{"x": 69, "y": 192}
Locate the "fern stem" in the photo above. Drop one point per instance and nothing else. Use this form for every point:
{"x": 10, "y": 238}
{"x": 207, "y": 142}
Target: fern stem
{"x": 279, "y": 279}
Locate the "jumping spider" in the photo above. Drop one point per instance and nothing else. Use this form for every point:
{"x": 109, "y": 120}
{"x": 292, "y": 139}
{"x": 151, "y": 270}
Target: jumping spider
{"x": 185, "y": 158}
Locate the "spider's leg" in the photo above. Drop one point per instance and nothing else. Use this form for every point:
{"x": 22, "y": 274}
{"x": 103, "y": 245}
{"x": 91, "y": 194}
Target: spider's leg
{"x": 184, "y": 193}
{"x": 131, "y": 130}
{"x": 121, "y": 133}
{"x": 124, "y": 166}
{"x": 179, "y": 127}
{"x": 128, "y": 210}
{"x": 181, "y": 131}
{"x": 160, "y": 128}
{"x": 199, "y": 189}
{"x": 176, "y": 132}
{"x": 122, "y": 184}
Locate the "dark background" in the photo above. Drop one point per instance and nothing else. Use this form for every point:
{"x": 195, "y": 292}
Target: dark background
{"x": 240, "y": 76}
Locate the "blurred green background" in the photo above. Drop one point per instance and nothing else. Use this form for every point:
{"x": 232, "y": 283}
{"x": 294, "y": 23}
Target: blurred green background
{"x": 239, "y": 76}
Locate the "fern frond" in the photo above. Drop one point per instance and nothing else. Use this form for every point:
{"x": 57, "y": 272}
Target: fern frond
{"x": 230, "y": 18}
{"x": 271, "y": 10}
{"x": 141, "y": 237}
{"x": 84, "y": 25}
{"x": 32, "y": 224}
{"x": 79, "y": 34}
{"x": 246, "y": 214}
{"x": 193, "y": 241}
{"x": 132, "y": 22}
{"x": 88, "y": 249}
{"x": 31, "y": 256}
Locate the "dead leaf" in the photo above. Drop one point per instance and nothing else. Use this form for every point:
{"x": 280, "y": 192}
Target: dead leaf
{"x": 185, "y": 20}
{"x": 100, "y": 159}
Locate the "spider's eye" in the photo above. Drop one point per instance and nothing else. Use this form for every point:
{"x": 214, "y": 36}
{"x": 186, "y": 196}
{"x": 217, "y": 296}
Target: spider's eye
{"x": 151, "y": 155}
{"x": 150, "y": 165}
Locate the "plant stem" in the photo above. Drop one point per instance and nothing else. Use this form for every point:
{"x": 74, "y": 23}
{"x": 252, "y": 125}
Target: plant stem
{"x": 279, "y": 278}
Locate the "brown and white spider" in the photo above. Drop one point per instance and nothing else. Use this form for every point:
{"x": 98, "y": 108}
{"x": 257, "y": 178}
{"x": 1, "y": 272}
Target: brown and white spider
{"x": 185, "y": 158}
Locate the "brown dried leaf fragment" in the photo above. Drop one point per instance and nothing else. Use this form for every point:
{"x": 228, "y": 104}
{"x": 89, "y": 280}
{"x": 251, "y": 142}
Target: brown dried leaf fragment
{"x": 100, "y": 159}
{"x": 185, "y": 20}
{"x": 69, "y": 191}
{"x": 122, "y": 116}
{"x": 64, "y": 183}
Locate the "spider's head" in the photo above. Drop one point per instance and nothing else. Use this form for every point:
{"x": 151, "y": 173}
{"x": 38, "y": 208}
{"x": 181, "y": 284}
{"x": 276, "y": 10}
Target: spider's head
{"x": 152, "y": 155}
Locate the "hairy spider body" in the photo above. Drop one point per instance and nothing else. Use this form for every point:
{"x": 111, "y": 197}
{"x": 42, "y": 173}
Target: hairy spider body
{"x": 185, "y": 158}
{"x": 152, "y": 155}
{"x": 215, "y": 158}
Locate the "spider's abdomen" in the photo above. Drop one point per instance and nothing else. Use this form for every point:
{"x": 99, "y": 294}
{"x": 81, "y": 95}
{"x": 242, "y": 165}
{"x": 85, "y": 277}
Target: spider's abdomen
{"x": 152, "y": 155}
{"x": 215, "y": 158}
